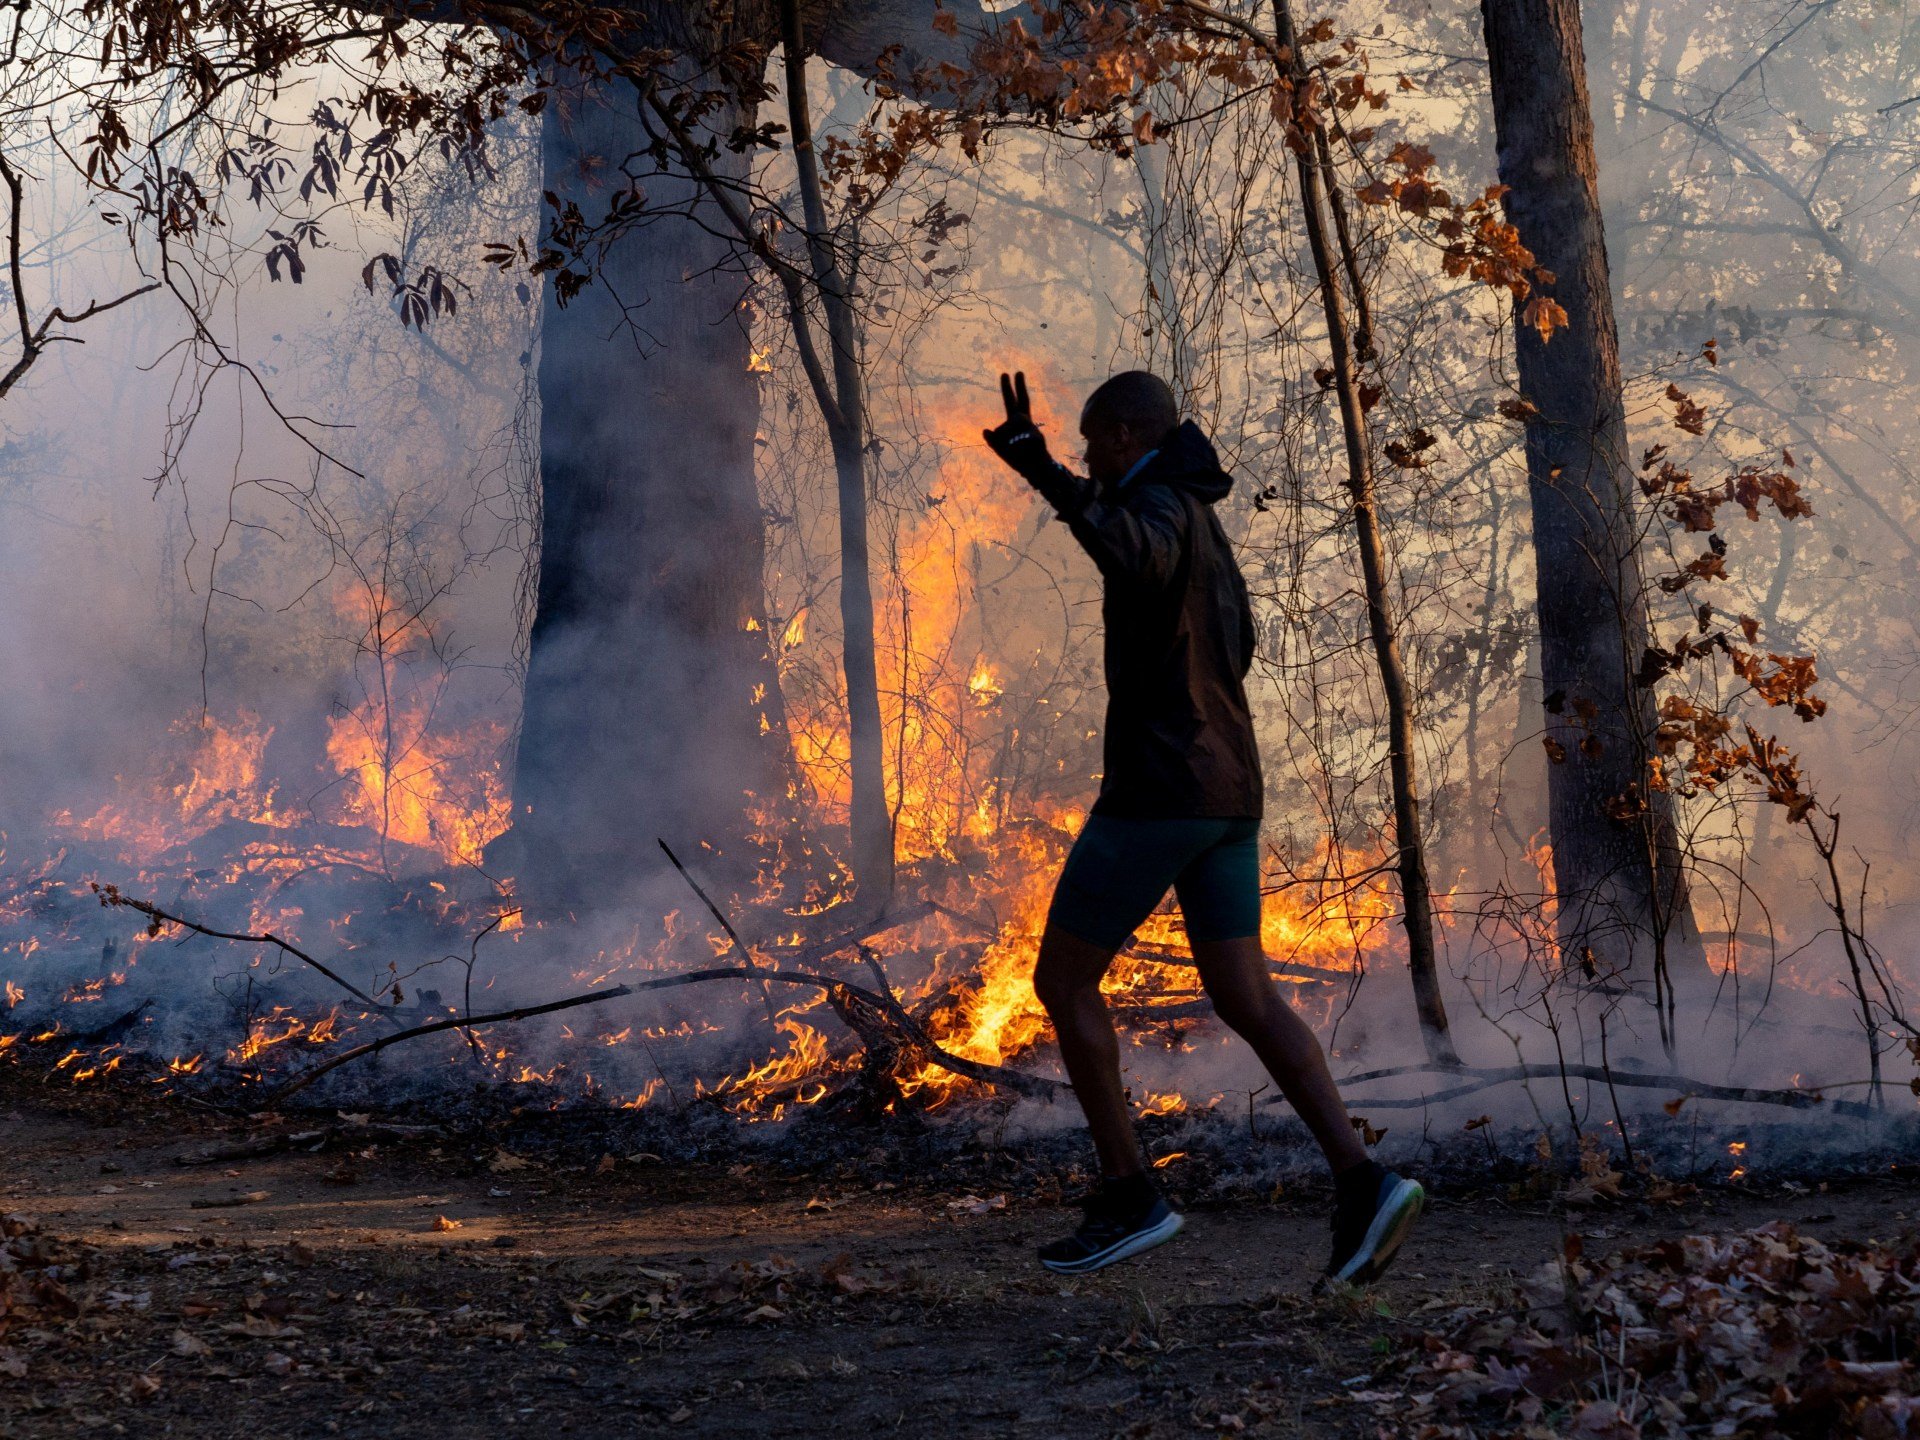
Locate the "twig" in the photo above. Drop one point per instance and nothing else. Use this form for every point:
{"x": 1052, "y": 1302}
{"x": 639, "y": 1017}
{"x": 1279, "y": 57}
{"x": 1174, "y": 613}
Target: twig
{"x": 110, "y": 895}
{"x": 1626, "y": 1141}
{"x": 746, "y": 955}
{"x": 1482, "y": 1079}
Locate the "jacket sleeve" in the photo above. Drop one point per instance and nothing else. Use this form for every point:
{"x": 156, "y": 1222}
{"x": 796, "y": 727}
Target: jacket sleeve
{"x": 1140, "y": 537}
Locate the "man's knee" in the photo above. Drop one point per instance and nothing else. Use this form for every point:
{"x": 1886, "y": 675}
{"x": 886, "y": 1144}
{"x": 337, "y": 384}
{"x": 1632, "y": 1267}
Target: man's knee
{"x": 1242, "y": 1008}
{"x": 1234, "y": 975}
{"x": 1068, "y": 968}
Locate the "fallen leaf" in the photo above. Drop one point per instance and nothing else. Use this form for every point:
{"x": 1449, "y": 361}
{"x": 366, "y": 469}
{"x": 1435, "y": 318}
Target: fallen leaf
{"x": 974, "y": 1205}
{"x": 189, "y": 1346}
{"x": 443, "y": 1224}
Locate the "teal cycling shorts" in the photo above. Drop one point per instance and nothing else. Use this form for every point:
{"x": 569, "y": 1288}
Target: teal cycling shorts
{"x": 1120, "y": 869}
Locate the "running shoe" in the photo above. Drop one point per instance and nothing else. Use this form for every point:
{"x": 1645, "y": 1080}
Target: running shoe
{"x": 1115, "y": 1227}
{"x": 1367, "y": 1235}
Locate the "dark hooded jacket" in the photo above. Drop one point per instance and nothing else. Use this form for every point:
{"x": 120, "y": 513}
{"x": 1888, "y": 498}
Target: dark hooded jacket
{"x": 1179, "y": 635}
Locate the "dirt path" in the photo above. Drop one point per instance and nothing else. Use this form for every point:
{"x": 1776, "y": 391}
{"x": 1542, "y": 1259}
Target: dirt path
{"x": 411, "y": 1288}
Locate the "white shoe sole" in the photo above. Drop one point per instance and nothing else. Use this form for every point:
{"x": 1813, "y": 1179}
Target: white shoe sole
{"x": 1120, "y": 1249}
{"x": 1390, "y": 1225}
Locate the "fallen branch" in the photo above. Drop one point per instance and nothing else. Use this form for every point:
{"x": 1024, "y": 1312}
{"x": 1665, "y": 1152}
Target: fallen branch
{"x": 1688, "y": 1087}
{"x": 974, "y": 1070}
{"x": 891, "y": 920}
{"x": 313, "y": 1140}
{"x": 111, "y": 896}
{"x": 1293, "y": 970}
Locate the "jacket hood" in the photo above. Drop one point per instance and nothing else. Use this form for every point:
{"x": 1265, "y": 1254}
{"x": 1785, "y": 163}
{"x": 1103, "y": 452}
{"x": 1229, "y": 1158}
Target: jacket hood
{"x": 1187, "y": 459}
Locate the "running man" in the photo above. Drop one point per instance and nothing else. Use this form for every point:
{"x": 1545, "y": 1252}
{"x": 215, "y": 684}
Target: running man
{"x": 1179, "y": 806}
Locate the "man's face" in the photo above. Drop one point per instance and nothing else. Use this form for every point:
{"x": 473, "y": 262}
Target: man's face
{"x": 1112, "y": 448}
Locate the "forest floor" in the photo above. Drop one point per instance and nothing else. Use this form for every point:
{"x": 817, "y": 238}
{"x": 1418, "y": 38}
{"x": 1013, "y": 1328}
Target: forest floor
{"x": 422, "y": 1285}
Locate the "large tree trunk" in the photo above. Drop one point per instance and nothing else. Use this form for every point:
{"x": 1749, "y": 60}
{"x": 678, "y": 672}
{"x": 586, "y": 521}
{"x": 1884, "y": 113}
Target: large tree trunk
{"x": 1622, "y": 896}
{"x": 645, "y": 690}
{"x": 646, "y": 693}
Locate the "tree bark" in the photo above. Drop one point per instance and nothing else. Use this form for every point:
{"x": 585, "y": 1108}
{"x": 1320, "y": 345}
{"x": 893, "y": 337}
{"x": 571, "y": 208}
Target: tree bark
{"x": 646, "y": 712}
{"x": 645, "y": 692}
{"x": 1622, "y": 894}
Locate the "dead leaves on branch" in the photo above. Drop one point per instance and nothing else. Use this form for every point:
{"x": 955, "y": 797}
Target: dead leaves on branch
{"x": 1694, "y": 751}
{"x": 1476, "y": 242}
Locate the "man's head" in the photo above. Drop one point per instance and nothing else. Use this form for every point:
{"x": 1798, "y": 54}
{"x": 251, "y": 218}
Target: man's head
{"x": 1125, "y": 418}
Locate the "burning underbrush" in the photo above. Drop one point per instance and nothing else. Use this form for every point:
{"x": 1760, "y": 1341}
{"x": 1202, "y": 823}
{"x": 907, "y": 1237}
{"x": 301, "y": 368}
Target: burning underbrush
{"x": 205, "y": 933}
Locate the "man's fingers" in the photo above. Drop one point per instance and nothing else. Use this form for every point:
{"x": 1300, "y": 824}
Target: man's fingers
{"x": 1020, "y": 392}
{"x": 1006, "y": 395}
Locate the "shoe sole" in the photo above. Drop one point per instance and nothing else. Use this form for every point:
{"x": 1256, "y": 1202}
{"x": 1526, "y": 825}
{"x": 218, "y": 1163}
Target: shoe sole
{"x": 1120, "y": 1249}
{"x": 1384, "y": 1236}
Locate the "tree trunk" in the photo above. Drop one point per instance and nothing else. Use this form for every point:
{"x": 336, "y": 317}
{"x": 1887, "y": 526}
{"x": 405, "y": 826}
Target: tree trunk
{"x": 1617, "y": 871}
{"x": 646, "y": 692}
{"x": 647, "y": 698}
{"x": 1165, "y": 222}
{"x": 844, "y": 408}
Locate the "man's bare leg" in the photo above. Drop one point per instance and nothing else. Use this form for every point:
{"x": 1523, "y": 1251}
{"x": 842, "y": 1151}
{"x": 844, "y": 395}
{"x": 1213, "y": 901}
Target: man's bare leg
{"x": 1067, "y": 980}
{"x": 1249, "y": 1002}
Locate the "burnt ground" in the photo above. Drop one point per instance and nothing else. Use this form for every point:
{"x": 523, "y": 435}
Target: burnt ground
{"x": 428, "y": 1283}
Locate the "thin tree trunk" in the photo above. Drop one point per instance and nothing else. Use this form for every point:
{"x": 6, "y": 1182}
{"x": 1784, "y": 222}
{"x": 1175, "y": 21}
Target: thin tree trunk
{"x": 872, "y": 824}
{"x": 1616, "y": 857}
{"x": 1165, "y": 219}
{"x": 1415, "y": 892}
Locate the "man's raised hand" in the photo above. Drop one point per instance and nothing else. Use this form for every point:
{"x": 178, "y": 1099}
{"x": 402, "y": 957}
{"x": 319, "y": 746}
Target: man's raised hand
{"x": 1014, "y": 393}
{"x": 1018, "y": 440}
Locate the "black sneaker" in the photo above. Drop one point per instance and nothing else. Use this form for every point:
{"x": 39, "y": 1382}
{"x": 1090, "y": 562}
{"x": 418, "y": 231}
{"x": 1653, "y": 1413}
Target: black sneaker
{"x": 1114, "y": 1228}
{"x": 1367, "y": 1234}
